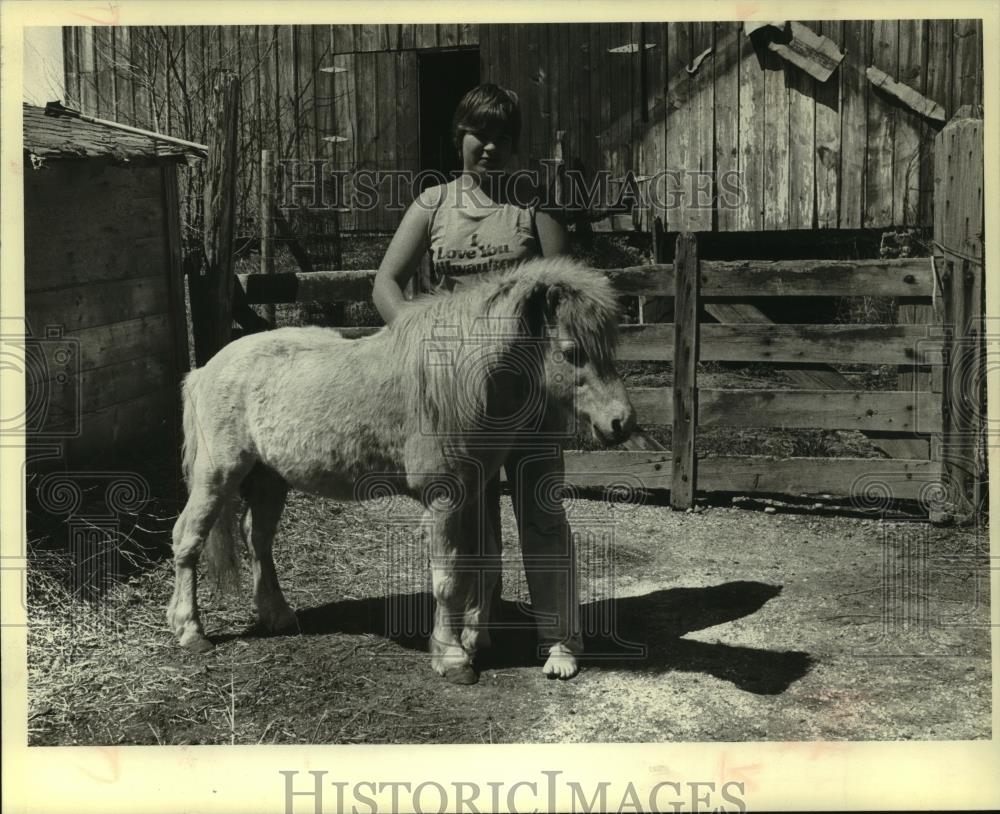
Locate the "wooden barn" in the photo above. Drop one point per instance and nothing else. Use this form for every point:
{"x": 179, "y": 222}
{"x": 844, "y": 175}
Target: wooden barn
{"x": 829, "y": 124}
{"x": 103, "y": 288}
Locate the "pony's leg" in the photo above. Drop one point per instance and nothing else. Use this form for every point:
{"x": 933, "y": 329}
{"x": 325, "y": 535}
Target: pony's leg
{"x": 265, "y": 492}
{"x": 190, "y": 531}
{"x": 452, "y": 592}
{"x": 482, "y": 534}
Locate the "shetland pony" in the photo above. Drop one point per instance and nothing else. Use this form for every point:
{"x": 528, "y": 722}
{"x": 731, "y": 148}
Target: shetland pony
{"x": 427, "y": 408}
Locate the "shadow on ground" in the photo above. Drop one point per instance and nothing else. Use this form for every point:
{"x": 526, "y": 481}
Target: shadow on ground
{"x": 640, "y": 633}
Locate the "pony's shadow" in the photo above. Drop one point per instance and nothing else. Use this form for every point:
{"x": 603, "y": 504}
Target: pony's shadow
{"x": 640, "y": 633}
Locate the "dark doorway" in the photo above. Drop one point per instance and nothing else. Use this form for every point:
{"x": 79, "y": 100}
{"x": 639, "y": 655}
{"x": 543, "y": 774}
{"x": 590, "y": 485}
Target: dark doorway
{"x": 445, "y": 77}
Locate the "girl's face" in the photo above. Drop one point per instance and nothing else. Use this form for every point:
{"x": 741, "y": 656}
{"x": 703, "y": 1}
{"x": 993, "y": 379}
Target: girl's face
{"x": 485, "y": 152}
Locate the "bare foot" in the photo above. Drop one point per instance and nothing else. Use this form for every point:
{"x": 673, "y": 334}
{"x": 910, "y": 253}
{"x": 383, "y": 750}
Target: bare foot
{"x": 561, "y": 663}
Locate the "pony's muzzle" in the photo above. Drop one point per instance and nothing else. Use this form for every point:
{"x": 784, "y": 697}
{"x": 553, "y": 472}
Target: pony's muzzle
{"x": 619, "y": 428}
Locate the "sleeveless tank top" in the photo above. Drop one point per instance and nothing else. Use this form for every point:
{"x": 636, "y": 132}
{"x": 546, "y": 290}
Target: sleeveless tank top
{"x": 466, "y": 239}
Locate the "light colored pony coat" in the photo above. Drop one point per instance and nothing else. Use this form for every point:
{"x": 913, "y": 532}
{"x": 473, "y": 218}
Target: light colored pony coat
{"x": 427, "y": 408}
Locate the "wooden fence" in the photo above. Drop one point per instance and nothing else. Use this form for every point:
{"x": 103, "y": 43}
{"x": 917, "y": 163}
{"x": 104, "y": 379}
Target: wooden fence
{"x": 938, "y": 352}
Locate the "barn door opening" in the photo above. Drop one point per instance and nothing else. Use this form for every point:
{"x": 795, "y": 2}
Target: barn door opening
{"x": 445, "y": 77}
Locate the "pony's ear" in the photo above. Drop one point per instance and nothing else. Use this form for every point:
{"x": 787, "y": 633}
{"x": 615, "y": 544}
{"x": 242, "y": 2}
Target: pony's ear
{"x": 540, "y": 307}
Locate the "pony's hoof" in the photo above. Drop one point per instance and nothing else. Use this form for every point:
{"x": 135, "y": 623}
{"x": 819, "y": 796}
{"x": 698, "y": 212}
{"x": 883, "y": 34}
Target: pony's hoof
{"x": 461, "y": 675}
{"x": 283, "y": 622}
{"x": 197, "y": 643}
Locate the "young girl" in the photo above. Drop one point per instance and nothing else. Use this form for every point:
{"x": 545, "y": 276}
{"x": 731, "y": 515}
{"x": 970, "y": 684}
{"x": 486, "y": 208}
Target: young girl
{"x": 469, "y": 226}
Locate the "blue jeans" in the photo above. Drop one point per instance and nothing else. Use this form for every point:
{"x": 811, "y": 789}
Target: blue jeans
{"x": 535, "y": 474}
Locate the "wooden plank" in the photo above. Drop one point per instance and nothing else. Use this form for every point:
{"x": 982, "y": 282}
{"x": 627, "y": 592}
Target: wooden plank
{"x": 652, "y": 135}
{"x": 684, "y": 476}
{"x": 968, "y": 63}
{"x": 752, "y": 119}
{"x": 869, "y": 480}
{"x": 367, "y": 99}
{"x": 386, "y": 129}
{"x": 726, "y": 64}
{"x": 777, "y": 122}
{"x": 118, "y": 427}
{"x": 448, "y": 35}
{"x": 425, "y": 36}
{"x": 99, "y": 303}
{"x": 121, "y": 74}
{"x": 407, "y": 119}
{"x": 864, "y": 410}
{"x": 851, "y": 477}
{"x": 104, "y": 76}
{"x": 109, "y": 344}
{"x": 959, "y": 235}
{"x": 678, "y": 124}
{"x": 581, "y": 141}
{"x": 801, "y": 145}
{"x": 88, "y": 78}
{"x": 343, "y": 39}
{"x": 181, "y": 361}
{"x": 881, "y": 128}
{"x": 345, "y": 154}
{"x": 827, "y": 161}
{"x": 937, "y": 87}
{"x": 100, "y": 387}
{"x": 468, "y": 34}
{"x": 904, "y": 277}
{"x": 854, "y": 122}
{"x": 805, "y": 344}
{"x": 907, "y": 135}
{"x": 305, "y": 90}
{"x": 71, "y": 66}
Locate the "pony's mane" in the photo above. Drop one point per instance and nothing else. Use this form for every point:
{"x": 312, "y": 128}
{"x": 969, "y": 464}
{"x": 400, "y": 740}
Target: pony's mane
{"x": 444, "y": 335}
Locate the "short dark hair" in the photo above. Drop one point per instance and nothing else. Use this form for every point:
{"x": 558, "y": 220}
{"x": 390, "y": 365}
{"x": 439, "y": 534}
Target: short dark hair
{"x": 487, "y": 107}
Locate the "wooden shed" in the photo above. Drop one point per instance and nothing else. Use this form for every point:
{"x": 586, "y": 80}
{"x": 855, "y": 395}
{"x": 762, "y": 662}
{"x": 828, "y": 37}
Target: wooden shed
{"x": 106, "y": 330}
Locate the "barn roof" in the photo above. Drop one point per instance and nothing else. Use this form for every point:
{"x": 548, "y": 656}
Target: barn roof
{"x": 66, "y": 137}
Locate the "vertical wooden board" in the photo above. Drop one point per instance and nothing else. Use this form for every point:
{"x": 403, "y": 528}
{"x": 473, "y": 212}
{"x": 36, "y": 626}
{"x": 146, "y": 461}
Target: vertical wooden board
{"x": 828, "y": 137}
{"x": 370, "y": 37}
{"x": 405, "y": 37}
{"x": 175, "y": 273}
{"x": 306, "y": 72}
{"x": 407, "y": 117}
{"x": 853, "y": 122}
{"x": 104, "y": 72}
{"x": 322, "y": 89}
{"x": 138, "y": 62}
{"x": 752, "y": 115}
{"x": 366, "y": 75}
{"x": 468, "y": 34}
{"x": 88, "y": 79}
{"x": 266, "y": 38}
{"x": 881, "y": 127}
{"x": 906, "y": 137}
{"x": 702, "y": 157}
{"x": 425, "y": 36}
{"x": 801, "y": 144}
{"x": 386, "y": 126}
{"x": 345, "y": 153}
{"x": 777, "y": 120}
{"x": 678, "y": 124}
{"x": 343, "y": 39}
{"x": 286, "y": 82}
{"x": 939, "y": 39}
{"x": 726, "y": 63}
{"x": 555, "y": 59}
{"x": 580, "y": 139}
{"x": 652, "y": 132}
{"x": 124, "y": 105}
{"x": 685, "y": 387}
{"x": 968, "y": 62}
{"x": 600, "y": 109}
{"x": 71, "y": 68}
{"x": 531, "y": 88}
{"x": 448, "y": 35}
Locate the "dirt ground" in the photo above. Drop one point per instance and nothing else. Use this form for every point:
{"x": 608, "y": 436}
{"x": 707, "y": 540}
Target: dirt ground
{"x": 724, "y": 624}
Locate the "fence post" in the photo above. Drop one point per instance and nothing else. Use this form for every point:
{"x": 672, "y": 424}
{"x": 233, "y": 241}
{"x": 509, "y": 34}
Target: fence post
{"x": 958, "y": 237}
{"x": 267, "y": 221}
{"x": 686, "y": 284}
{"x": 212, "y": 291}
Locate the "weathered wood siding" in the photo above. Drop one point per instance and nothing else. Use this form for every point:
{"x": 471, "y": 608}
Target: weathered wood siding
{"x": 101, "y": 298}
{"x": 834, "y": 154}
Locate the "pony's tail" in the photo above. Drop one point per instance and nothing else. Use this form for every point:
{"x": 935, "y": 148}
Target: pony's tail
{"x": 189, "y": 450}
{"x": 219, "y": 553}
